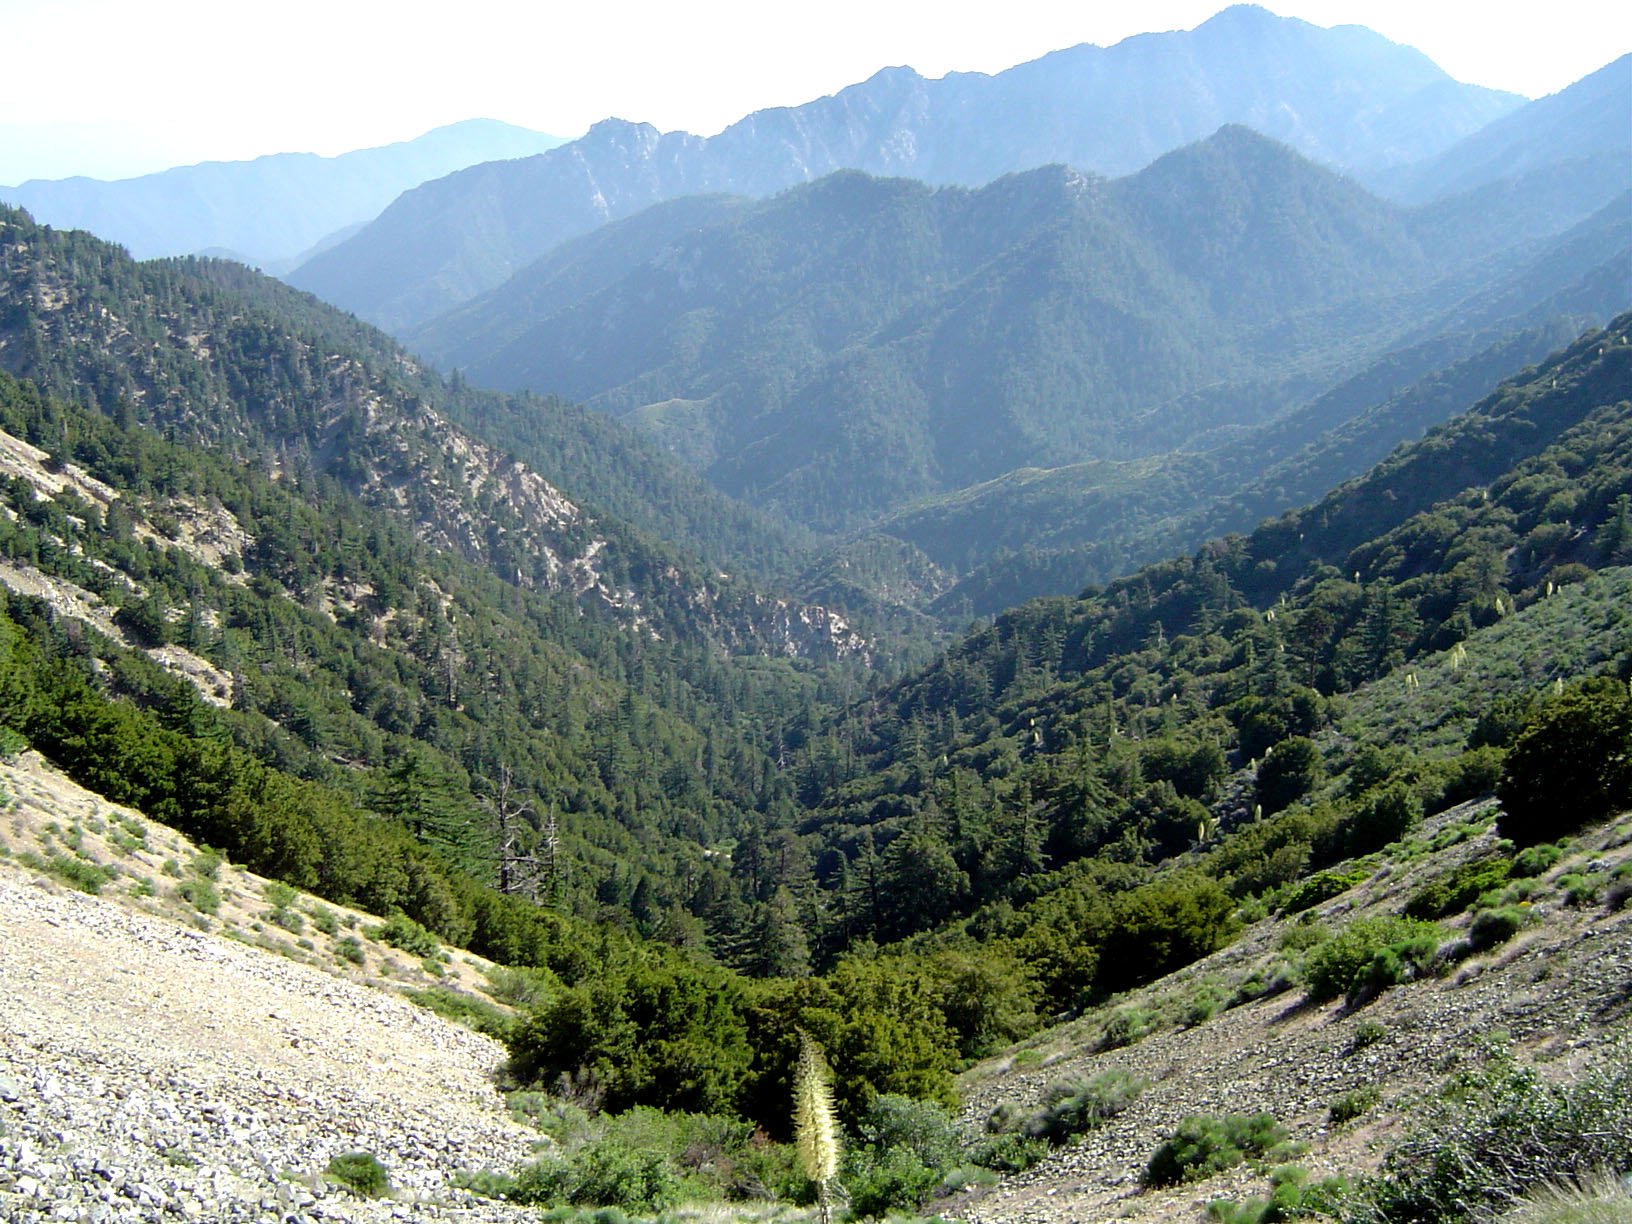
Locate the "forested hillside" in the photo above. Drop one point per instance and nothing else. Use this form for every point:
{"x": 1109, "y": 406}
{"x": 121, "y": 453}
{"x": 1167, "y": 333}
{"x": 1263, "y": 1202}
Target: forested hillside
{"x": 1085, "y": 372}
{"x": 1345, "y": 97}
{"x": 209, "y": 352}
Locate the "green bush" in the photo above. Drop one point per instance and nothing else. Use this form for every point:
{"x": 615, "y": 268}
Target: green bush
{"x": 1008, "y": 1152}
{"x": 401, "y": 931}
{"x": 1076, "y": 1106}
{"x": 879, "y": 1182}
{"x": 1291, "y": 1197}
{"x": 1459, "y": 888}
{"x": 1366, "y": 1033}
{"x": 1497, "y": 1130}
{"x": 1205, "y": 1144}
{"x": 1288, "y": 773}
{"x": 1323, "y": 886}
{"x": 1493, "y": 927}
{"x": 1351, "y": 1105}
{"x": 1381, "y": 818}
{"x": 602, "y": 1174}
{"x": 1127, "y": 1026}
{"x": 1571, "y": 766}
{"x": 359, "y": 1172}
{"x": 1534, "y": 861}
{"x": 1368, "y": 955}
{"x": 201, "y": 894}
{"x": 87, "y": 877}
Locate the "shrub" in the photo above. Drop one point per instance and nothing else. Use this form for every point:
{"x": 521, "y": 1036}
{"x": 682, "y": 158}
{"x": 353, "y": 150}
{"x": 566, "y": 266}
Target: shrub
{"x": 1291, "y": 1197}
{"x": 87, "y": 877}
{"x": 603, "y": 1174}
{"x": 880, "y": 1182}
{"x": 1571, "y": 766}
{"x": 349, "y": 949}
{"x": 1366, "y": 1033}
{"x": 1533, "y": 861}
{"x": 1009, "y": 1152}
{"x": 200, "y": 894}
{"x": 1458, "y": 888}
{"x": 401, "y": 931}
{"x": 1369, "y": 955}
{"x": 1205, "y": 1144}
{"x": 1126, "y": 1026}
{"x": 1351, "y": 1105}
{"x": 359, "y": 1172}
{"x": 923, "y": 1128}
{"x": 1323, "y": 886}
{"x": 1381, "y": 818}
{"x": 1493, "y": 927}
{"x": 1076, "y": 1106}
{"x": 1499, "y": 1129}
{"x": 1288, "y": 773}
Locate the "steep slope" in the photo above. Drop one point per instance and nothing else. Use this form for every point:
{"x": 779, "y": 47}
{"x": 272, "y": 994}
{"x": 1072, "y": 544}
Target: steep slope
{"x": 855, "y": 344}
{"x": 214, "y": 353}
{"x": 271, "y": 211}
{"x": 1015, "y": 729}
{"x": 1577, "y": 136}
{"x": 1345, "y": 96}
{"x": 1054, "y": 530}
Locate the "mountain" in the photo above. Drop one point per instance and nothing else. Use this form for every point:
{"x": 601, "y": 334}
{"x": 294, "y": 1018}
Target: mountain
{"x": 271, "y": 211}
{"x": 844, "y": 349}
{"x": 1345, "y": 96}
{"x": 1578, "y": 137}
{"x": 1041, "y": 531}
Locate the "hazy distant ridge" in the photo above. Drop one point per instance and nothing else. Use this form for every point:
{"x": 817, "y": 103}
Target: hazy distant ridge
{"x": 271, "y": 209}
{"x": 1345, "y": 96}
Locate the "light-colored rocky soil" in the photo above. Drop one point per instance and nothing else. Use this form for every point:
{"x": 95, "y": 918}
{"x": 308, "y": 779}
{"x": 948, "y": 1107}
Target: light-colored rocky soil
{"x": 1557, "y": 993}
{"x": 153, "y": 1071}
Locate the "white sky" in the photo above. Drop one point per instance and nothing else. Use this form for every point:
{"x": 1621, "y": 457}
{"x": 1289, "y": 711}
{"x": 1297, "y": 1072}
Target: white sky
{"x": 117, "y": 87}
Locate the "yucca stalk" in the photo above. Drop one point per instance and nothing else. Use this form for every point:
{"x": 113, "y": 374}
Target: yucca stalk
{"x": 815, "y": 1126}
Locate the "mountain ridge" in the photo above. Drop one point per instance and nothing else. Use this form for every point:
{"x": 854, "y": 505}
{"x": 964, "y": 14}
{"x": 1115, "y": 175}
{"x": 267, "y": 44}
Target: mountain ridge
{"x": 436, "y": 248}
{"x": 271, "y": 210}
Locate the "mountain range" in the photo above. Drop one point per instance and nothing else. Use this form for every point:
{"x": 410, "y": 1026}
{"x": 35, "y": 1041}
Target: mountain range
{"x": 1344, "y": 96}
{"x": 272, "y": 211}
{"x": 852, "y": 353}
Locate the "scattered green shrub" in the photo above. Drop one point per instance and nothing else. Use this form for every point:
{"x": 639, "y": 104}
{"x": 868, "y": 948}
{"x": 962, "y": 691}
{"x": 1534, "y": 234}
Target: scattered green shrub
{"x": 1493, "y": 927}
{"x": 463, "y": 1009}
{"x": 1571, "y": 766}
{"x": 1497, "y": 1130}
{"x": 1581, "y": 888}
{"x": 1076, "y": 1106}
{"x": 1537, "y": 860}
{"x": 1322, "y": 886}
{"x": 201, "y": 894}
{"x": 1206, "y": 1144}
{"x": 1351, "y": 1105}
{"x": 1457, "y": 889}
{"x": 401, "y": 931}
{"x": 1291, "y": 1197}
{"x": 349, "y": 949}
{"x": 359, "y": 1172}
{"x": 85, "y": 876}
{"x": 1366, "y": 1033}
{"x": 1370, "y": 955}
{"x": 1008, "y": 1152}
{"x": 601, "y": 1174}
{"x": 1126, "y": 1026}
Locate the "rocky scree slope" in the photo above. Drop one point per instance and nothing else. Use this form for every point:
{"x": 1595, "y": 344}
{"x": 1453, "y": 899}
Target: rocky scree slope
{"x": 1560, "y": 993}
{"x": 158, "y": 1063}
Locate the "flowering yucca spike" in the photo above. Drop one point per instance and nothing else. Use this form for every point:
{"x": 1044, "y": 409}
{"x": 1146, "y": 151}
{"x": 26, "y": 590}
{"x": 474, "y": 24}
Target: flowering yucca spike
{"x": 815, "y": 1125}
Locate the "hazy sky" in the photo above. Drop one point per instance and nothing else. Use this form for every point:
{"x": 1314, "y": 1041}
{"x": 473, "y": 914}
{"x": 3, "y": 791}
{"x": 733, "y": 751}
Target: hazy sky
{"x": 118, "y": 87}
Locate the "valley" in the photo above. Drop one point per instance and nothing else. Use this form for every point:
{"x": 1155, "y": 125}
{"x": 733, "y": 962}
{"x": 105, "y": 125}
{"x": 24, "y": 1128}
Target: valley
{"x": 928, "y": 657}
